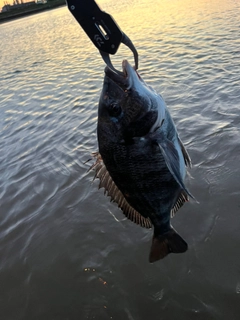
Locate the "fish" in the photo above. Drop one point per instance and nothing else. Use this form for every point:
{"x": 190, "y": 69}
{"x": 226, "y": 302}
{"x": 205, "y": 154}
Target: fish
{"x": 141, "y": 162}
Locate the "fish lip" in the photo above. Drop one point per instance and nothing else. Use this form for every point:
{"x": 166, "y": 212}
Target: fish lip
{"x": 128, "y": 70}
{"x": 125, "y": 78}
{"x": 118, "y": 78}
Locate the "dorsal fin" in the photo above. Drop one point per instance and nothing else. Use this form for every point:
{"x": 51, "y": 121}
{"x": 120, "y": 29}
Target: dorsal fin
{"x": 116, "y": 195}
{"x": 183, "y": 197}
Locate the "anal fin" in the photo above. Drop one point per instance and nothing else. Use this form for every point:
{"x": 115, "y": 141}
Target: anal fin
{"x": 183, "y": 197}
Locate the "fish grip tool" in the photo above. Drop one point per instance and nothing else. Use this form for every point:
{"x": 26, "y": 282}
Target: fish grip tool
{"x": 101, "y": 28}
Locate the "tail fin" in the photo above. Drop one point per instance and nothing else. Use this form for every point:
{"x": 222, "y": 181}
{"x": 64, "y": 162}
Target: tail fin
{"x": 166, "y": 243}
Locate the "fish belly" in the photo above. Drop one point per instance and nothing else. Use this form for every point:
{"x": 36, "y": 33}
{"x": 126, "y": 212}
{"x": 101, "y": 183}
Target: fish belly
{"x": 140, "y": 172}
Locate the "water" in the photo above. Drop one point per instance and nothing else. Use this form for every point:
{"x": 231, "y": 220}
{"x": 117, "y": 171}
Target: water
{"x": 66, "y": 252}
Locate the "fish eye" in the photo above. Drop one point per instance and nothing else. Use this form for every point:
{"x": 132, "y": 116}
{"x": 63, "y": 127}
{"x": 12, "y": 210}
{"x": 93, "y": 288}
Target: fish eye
{"x": 115, "y": 110}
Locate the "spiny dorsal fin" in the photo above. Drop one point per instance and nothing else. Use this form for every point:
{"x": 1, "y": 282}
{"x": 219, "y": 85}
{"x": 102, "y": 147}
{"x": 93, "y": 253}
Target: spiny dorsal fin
{"x": 183, "y": 197}
{"x": 116, "y": 195}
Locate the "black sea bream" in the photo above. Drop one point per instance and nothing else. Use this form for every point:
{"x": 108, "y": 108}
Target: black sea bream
{"x": 141, "y": 161}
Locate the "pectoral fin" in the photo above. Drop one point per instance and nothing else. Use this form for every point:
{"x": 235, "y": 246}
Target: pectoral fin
{"x": 171, "y": 158}
{"x": 186, "y": 156}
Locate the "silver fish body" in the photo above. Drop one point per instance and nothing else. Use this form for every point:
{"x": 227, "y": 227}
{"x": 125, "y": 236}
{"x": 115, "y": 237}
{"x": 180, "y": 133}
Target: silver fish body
{"x": 141, "y": 161}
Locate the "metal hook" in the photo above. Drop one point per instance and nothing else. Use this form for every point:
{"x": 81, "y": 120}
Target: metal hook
{"x": 125, "y": 40}
{"x": 130, "y": 45}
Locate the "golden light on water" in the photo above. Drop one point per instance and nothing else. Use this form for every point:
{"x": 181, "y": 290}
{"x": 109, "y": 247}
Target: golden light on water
{"x": 65, "y": 250}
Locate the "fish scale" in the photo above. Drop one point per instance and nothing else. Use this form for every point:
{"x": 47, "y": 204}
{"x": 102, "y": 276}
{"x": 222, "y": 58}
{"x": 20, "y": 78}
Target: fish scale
{"x": 143, "y": 175}
{"x": 141, "y": 161}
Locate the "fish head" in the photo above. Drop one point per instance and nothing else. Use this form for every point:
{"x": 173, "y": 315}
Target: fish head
{"x": 128, "y": 107}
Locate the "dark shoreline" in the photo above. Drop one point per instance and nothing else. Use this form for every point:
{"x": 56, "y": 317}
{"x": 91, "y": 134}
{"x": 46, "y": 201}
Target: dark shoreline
{"x": 8, "y": 16}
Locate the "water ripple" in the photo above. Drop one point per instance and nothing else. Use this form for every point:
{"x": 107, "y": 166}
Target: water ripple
{"x": 54, "y": 223}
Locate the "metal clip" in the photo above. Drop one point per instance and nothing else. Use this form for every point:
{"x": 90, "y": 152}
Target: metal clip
{"x": 101, "y": 28}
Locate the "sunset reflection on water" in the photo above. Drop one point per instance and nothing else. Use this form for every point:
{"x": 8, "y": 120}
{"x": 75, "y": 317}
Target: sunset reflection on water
{"x": 66, "y": 251}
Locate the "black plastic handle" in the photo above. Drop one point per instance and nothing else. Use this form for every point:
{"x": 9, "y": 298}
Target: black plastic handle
{"x": 98, "y": 25}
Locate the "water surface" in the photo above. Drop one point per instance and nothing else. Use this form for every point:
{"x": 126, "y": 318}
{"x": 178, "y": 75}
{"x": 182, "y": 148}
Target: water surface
{"x": 66, "y": 252}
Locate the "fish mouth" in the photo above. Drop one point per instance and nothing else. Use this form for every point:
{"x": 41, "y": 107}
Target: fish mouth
{"x": 126, "y": 79}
